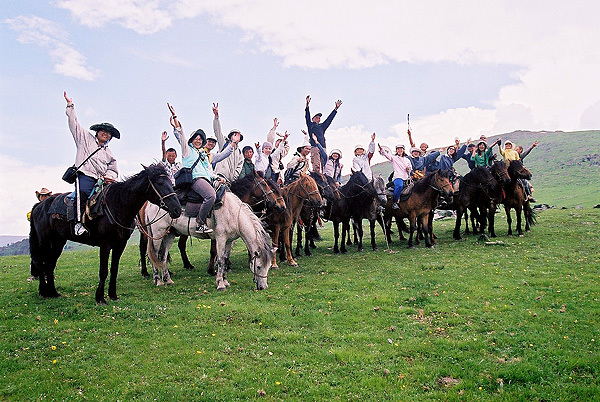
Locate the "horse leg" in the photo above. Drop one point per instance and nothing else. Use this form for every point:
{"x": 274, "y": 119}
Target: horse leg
{"x": 117, "y": 251}
{"x": 467, "y": 231}
{"x": 308, "y": 234}
{"x": 336, "y": 235}
{"x": 213, "y": 253}
{"x": 220, "y": 251}
{"x": 508, "y": 220}
{"x": 103, "y": 273}
{"x": 275, "y": 244}
{"x": 372, "y": 231}
{"x": 432, "y": 236}
{"x": 227, "y": 261}
{"x": 345, "y": 230}
{"x": 425, "y": 226}
{"x": 401, "y": 228}
{"x": 491, "y": 216}
{"x": 299, "y": 239}
{"x": 143, "y": 251}
{"x": 412, "y": 219}
{"x": 527, "y": 216}
{"x": 519, "y": 223}
{"x": 287, "y": 233}
{"x": 456, "y": 233}
{"x": 354, "y": 230}
{"x": 181, "y": 244}
{"x": 358, "y": 228}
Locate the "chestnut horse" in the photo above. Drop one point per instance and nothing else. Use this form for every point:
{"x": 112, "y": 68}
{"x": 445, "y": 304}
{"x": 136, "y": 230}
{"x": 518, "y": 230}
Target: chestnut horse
{"x": 423, "y": 199}
{"x": 296, "y": 194}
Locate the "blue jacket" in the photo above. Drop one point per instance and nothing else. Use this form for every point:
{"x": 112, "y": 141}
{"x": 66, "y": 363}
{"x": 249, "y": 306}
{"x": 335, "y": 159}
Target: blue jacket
{"x": 318, "y": 129}
{"x": 446, "y": 162}
{"x": 422, "y": 162}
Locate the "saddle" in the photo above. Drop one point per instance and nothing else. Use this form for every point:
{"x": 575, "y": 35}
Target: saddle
{"x": 406, "y": 190}
{"x": 191, "y": 200}
{"x": 63, "y": 208}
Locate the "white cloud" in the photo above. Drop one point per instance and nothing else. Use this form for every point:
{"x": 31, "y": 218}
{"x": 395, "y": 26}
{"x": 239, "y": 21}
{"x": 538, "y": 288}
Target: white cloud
{"x": 19, "y": 181}
{"x": 47, "y": 34}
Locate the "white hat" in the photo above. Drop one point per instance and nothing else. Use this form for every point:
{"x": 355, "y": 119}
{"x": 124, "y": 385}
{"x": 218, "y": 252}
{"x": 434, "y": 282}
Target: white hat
{"x": 508, "y": 142}
{"x": 359, "y": 146}
{"x": 400, "y": 146}
{"x": 336, "y": 151}
{"x": 305, "y": 143}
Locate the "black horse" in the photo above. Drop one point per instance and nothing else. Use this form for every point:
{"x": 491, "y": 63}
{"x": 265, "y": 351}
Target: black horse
{"x": 359, "y": 200}
{"x": 110, "y": 230}
{"x": 309, "y": 214}
{"x": 477, "y": 190}
{"x": 514, "y": 197}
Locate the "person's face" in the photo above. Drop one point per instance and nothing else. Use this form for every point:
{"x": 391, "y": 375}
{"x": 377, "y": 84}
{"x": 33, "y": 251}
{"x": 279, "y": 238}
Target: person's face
{"x": 415, "y": 153}
{"x": 519, "y": 148}
{"x": 359, "y": 152}
{"x": 400, "y": 151}
{"x": 481, "y": 147}
{"x": 424, "y": 147}
{"x": 317, "y": 119}
{"x": 42, "y": 197}
{"x": 335, "y": 156}
{"x": 451, "y": 151}
{"x": 103, "y": 137}
{"x": 248, "y": 154}
{"x": 197, "y": 142}
{"x": 235, "y": 137}
{"x": 267, "y": 150}
{"x": 171, "y": 155}
{"x": 471, "y": 148}
{"x": 210, "y": 144}
{"x": 305, "y": 151}
{"x": 508, "y": 145}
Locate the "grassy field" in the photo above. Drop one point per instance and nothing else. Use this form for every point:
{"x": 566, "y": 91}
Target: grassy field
{"x": 517, "y": 320}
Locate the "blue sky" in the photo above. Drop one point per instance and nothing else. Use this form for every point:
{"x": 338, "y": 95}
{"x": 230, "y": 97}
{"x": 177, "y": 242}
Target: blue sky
{"x": 459, "y": 69}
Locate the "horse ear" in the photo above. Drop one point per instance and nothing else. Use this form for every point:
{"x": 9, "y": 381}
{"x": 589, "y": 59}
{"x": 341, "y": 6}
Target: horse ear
{"x": 143, "y": 166}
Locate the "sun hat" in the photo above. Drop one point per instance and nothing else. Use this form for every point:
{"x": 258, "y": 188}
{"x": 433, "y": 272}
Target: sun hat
{"x": 107, "y": 128}
{"x": 336, "y": 151}
{"x": 232, "y": 132}
{"x": 267, "y": 144}
{"x": 198, "y": 133}
{"x": 359, "y": 146}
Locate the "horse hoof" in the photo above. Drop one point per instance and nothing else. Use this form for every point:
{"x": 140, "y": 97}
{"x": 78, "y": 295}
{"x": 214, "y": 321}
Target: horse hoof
{"x": 360, "y": 250}
{"x": 101, "y": 301}
{"x": 159, "y": 283}
{"x": 336, "y": 251}
{"x": 521, "y": 235}
{"x": 292, "y": 263}
{"x": 274, "y": 266}
{"x": 170, "y": 282}
{"x": 308, "y": 253}
{"x": 211, "y": 272}
{"x": 114, "y": 298}
{"x": 226, "y": 283}
{"x": 189, "y": 267}
{"x": 430, "y": 247}
{"x": 375, "y": 249}
{"x": 221, "y": 288}
{"x": 411, "y": 247}
{"x": 344, "y": 251}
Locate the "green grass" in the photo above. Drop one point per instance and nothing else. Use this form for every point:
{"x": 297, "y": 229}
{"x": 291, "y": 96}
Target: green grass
{"x": 518, "y": 321}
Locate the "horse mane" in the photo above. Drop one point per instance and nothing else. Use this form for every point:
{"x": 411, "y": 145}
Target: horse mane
{"x": 320, "y": 178}
{"x": 243, "y": 185}
{"x": 422, "y": 185}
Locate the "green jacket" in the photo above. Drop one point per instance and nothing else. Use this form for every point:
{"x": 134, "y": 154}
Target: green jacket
{"x": 484, "y": 159}
{"x": 247, "y": 168}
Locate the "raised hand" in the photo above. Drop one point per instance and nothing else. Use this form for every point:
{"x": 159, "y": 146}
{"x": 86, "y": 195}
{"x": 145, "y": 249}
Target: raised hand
{"x": 164, "y": 136}
{"x": 69, "y": 100}
{"x": 215, "y": 109}
{"x": 257, "y": 145}
{"x": 275, "y": 123}
{"x": 338, "y": 103}
{"x": 373, "y": 137}
{"x": 535, "y": 144}
{"x": 171, "y": 110}
{"x": 307, "y": 100}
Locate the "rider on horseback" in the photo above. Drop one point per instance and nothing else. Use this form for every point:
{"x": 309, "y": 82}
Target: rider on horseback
{"x": 93, "y": 157}
{"x": 402, "y": 170}
{"x": 194, "y": 154}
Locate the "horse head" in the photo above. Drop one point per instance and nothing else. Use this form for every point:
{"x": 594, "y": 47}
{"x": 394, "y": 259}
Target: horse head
{"x": 379, "y": 185}
{"x": 324, "y": 183}
{"x": 269, "y": 191}
{"x": 309, "y": 190}
{"x": 440, "y": 181}
{"x": 516, "y": 170}
{"x": 499, "y": 170}
{"x": 160, "y": 190}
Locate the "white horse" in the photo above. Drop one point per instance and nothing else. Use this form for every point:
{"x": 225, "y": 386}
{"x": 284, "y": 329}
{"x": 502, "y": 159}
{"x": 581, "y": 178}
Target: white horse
{"x": 232, "y": 220}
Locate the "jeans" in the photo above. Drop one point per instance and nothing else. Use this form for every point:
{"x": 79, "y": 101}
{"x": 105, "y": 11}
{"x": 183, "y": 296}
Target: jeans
{"x": 398, "y": 186}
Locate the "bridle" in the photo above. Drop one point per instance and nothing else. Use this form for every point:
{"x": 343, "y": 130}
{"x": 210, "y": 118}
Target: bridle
{"x": 160, "y": 197}
{"x": 254, "y": 269}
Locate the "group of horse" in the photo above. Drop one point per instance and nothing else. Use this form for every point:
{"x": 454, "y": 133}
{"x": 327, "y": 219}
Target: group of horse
{"x": 264, "y": 216}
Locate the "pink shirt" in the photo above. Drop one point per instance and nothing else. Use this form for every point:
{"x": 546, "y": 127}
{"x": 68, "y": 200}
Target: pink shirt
{"x": 402, "y": 165}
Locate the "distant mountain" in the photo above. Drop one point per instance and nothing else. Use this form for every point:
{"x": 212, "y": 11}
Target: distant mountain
{"x": 4, "y": 240}
{"x": 565, "y": 165}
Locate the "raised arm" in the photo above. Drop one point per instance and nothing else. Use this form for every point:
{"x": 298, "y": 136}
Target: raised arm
{"x": 217, "y": 126}
{"x": 162, "y": 143}
{"x": 412, "y": 143}
{"x": 525, "y": 153}
{"x": 307, "y": 112}
{"x": 271, "y": 134}
{"x": 329, "y": 118}
{"x": 76, "y": 129}
{"x": 371, "y": 149}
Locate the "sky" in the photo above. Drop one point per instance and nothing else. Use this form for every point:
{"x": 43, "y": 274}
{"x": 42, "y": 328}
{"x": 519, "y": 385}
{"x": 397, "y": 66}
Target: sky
{"x": 459, "y": 69}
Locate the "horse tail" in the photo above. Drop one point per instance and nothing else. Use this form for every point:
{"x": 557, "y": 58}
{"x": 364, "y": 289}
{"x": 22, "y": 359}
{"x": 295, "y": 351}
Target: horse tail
{"x": 35, "y": 248}
{"x": 530, "y": 214}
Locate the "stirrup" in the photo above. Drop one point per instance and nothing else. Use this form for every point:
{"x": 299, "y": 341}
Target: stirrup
{"x": 395, "y": 206}
{"x": 79, "y": 229}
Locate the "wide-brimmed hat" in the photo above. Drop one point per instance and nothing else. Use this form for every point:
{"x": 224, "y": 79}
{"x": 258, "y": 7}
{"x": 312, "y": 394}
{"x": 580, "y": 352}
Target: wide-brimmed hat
{"x": 482, "y": 142}
{"x": 318, "y": 114}
{"x": 359, "y": 146}
{"x": 107, "y": 128}
{"x": 415, "y": 149}
{"x": 336, "y": 151}
{"x": 400, "y": 146}
{"x": 43, "y": 191}
{"x": 211, "y": 139}
{"x": 198, "y": 133}
{"x": 232, "y": 132}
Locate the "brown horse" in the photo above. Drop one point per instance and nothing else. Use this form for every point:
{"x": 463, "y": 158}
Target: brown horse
{"x": 514, "y": 197}
{"x": 423, "y": 199}
{"x": 296, "y": 194}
